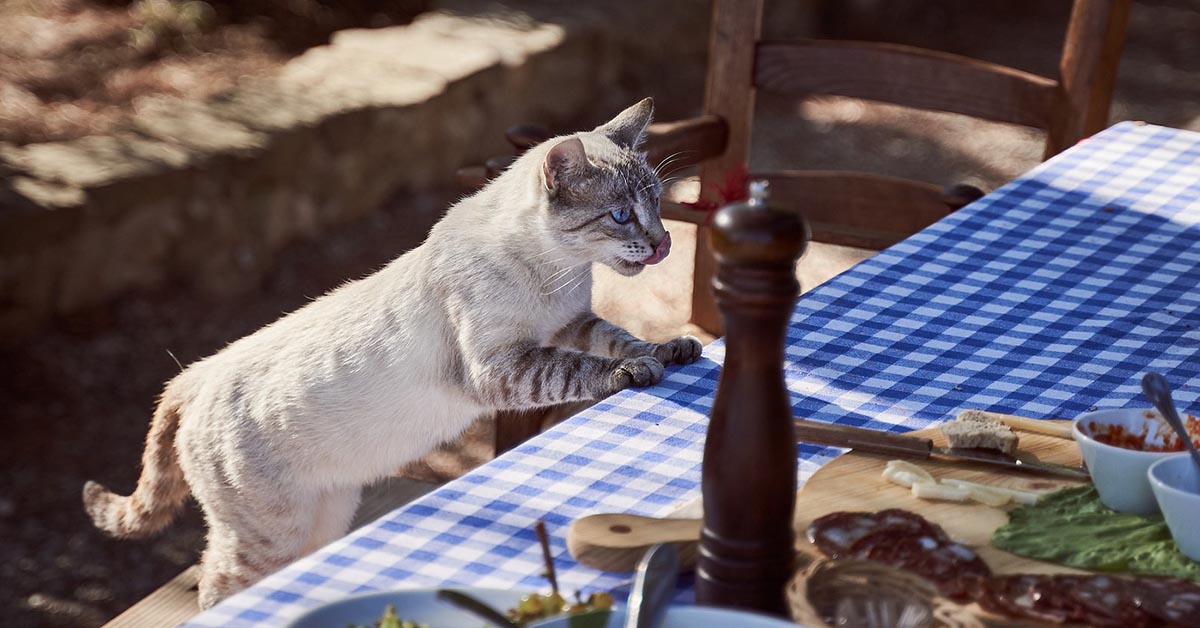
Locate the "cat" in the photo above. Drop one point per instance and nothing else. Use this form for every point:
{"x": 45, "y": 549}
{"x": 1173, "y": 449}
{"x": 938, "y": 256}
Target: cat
{"x": 276, "y": 434}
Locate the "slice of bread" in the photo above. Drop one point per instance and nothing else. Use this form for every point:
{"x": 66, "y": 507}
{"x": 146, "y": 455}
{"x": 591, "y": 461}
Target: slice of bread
{"x": 976, "y": 416}
{"x": 980, "y": 432}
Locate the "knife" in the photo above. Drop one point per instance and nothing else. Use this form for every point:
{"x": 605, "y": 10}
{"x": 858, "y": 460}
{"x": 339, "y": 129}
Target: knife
{"x": 889, "y": 444}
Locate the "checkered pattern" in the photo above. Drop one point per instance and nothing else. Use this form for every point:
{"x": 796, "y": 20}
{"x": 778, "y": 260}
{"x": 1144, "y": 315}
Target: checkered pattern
{"x": 1046, "y": 298}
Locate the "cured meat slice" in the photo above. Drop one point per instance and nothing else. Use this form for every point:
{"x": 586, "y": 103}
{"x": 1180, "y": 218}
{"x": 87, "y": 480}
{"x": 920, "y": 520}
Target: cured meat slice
{"x": 1020, "y": 596}
{"x": 1169, "y": 599}
{"x": 903, "y": 520}
{"x": 835, "y": 533}
{"x": 956, "y": 569}
{"x": 1095, "y": 600}
{"x": 1102, "y": 599}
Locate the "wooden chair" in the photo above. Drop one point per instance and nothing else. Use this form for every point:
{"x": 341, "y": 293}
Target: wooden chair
{"x": 872, "y": 211}
{"x": 853, "y": 208}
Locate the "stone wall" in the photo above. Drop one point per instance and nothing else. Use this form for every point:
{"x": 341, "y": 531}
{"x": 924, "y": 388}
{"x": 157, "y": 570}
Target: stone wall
{"x": 206, "y": 193}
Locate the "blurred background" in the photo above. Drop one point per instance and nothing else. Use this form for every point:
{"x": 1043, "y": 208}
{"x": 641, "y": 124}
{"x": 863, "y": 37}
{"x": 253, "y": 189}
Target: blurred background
{"x": 176, "y": 174}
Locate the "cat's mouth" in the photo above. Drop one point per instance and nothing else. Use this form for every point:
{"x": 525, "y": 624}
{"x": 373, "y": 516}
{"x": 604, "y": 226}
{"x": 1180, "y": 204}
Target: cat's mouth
{"x": 628, "y": 268}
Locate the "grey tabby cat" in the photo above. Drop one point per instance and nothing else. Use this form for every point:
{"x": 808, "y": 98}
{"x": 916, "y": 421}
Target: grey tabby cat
{"x": 277, "y": 434}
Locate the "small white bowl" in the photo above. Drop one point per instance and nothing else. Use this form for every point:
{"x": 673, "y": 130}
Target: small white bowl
{"x": 1120, "y": 474}
{"x": 1176, "y": 484}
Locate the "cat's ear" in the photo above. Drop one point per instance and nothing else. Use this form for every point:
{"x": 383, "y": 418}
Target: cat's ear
{"x": 628, "y": 129}
{"x": 565, "y": 158}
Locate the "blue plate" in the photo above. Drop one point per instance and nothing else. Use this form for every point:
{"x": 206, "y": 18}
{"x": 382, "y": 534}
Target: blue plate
{"x": 682, "y": 617}
{"x": 419, "y": 605}
{"x": 422, "y": 606}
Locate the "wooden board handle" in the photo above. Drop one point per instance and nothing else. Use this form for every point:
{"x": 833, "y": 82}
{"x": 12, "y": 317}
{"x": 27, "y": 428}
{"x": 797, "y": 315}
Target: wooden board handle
{"x": 1057, "y": 429}
{"x": 862, "y": 439}
{"x": 616, "y": 542}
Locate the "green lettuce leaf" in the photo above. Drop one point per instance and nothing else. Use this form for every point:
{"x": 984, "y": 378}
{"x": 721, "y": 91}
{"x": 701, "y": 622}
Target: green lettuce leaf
{"x": 1072, "y": 527}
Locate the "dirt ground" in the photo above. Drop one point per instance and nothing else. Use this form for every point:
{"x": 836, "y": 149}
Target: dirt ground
{"x": 75, "y": 400}
{"x": 70, "y": 68}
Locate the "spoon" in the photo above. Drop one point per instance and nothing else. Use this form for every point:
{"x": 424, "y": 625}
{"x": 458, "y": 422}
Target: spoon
{"x": 1158, "y": 391}
{"x": 657, "y": 575}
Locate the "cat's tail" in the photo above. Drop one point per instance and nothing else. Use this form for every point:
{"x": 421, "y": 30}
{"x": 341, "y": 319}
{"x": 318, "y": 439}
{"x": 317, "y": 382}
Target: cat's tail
{"x": 160, "y": 491}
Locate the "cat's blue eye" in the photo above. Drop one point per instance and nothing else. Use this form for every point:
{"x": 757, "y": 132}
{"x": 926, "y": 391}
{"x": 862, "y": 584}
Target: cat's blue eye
{"x": 622, "y": 215}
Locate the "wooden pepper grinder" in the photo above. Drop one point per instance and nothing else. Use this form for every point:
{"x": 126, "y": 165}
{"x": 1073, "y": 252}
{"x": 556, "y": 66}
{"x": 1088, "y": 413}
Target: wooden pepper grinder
{"x": 749, "y": 472}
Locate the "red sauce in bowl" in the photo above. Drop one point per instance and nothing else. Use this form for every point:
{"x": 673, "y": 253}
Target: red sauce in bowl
{"x": 1119, "y": 436}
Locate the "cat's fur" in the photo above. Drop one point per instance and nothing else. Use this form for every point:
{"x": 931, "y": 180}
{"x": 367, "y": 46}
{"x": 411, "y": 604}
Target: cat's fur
{"x": 276, "y": 434}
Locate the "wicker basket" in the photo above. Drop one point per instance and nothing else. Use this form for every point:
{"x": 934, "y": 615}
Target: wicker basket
{"x": 865, "y": 594}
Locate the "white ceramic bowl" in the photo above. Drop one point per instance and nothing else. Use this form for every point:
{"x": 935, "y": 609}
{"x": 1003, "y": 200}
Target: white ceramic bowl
{"x": 1176, "y": 484}
{"x": 1120, "y": 474}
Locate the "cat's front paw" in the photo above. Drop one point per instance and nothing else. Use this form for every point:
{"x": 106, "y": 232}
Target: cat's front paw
{"x": 682, "y": 350}
{"x": 637, "y": 373}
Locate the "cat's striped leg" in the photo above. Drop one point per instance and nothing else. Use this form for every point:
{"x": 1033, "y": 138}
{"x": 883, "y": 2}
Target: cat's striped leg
{"x": 251, "y": 536}
{"x": 256, "y": 524}
{"x": 592, "y": 334}
{"x": 525, "y": 376}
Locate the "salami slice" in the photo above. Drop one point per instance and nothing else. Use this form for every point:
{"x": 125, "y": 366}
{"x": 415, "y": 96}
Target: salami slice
{"x": 1021, "y": 596}
{"x": 834, "y": 534}
{"x": 1170, "y": 600}
{"x": 1095, "y": 600}
{"x": 957, "y": 571}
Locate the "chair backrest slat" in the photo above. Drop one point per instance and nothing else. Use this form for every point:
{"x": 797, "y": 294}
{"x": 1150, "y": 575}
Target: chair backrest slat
{"x": 686, "y": 142}
{"x": 908, "y": 76}
{"x": 858, "y": 208}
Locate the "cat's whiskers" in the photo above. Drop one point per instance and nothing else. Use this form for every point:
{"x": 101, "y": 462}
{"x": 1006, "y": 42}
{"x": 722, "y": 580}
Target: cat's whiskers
{"x": 667, "y": 178}
{"x": 674, "y": 170}
{"x": 657, "y": 169}
{"x": 576, "y": 286}
{"x": 664, "y": 183}
{"x": 558, "y": 274}
{"x": 667, "y": 160}
{"x": 661, "y": 165}
{"x": 568, "y": 281}
{"x": 549, "y": 250}
{"x": 670, "y": 180}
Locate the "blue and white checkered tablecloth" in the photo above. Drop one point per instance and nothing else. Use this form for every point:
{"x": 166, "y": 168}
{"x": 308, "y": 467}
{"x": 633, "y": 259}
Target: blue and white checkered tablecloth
{"x": 1048, "y": 297}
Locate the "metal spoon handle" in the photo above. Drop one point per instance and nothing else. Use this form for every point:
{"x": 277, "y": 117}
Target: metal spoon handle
{"x": 657, "y": 575}
{"x": 1158, "y": 391}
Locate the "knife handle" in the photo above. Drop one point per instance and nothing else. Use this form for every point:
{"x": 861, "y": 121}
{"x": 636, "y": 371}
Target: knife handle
{"x": 862, "y": 439}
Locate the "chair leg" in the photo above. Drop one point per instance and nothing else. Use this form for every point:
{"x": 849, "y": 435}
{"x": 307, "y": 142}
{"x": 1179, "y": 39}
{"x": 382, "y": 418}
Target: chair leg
{"x": 514, "y": 427}
{"x": 705, "y": 314}
{"x": 960, "y": 195}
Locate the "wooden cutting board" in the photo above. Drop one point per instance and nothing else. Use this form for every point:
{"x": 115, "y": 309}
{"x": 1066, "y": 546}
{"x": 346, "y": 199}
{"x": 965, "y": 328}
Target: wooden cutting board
{"x": 854, "y": 482}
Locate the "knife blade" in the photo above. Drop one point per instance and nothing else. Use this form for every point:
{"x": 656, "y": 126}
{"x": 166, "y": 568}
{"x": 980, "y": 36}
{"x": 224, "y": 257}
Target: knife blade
{"x": 889, "y": 444}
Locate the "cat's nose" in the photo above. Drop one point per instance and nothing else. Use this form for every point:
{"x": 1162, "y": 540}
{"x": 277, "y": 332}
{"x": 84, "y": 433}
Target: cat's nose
{"x": 661, "y": 251}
